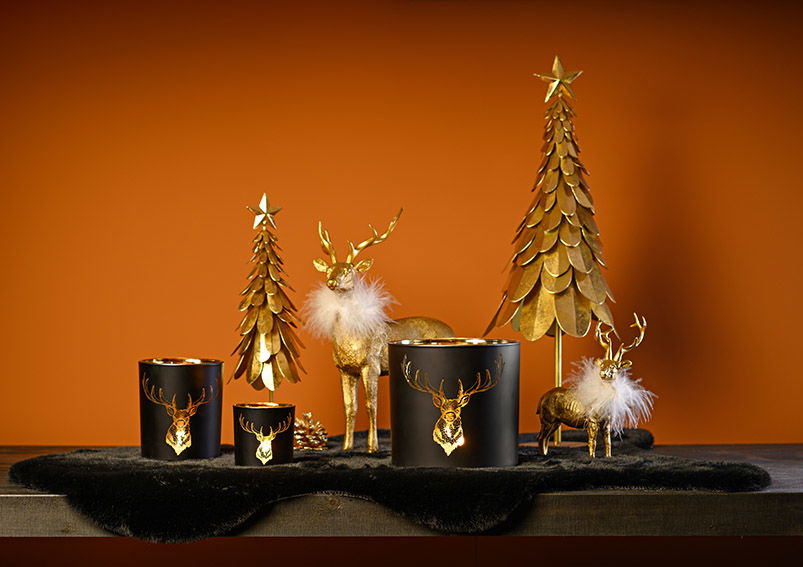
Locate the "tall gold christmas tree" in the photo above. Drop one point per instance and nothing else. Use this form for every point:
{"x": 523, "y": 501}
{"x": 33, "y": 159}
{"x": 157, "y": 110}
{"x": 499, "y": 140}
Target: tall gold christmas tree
{"x": 556, "y": 284}
{"x": 269, "y": 348}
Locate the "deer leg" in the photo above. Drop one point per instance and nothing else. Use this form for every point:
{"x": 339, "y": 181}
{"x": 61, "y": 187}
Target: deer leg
{"x": 592, "y": 427}
{"x": 607, "y": 439}
{"x": 370, "y": 382}
{"x": 349, "y": 384}
{"x": 547, "y": 429}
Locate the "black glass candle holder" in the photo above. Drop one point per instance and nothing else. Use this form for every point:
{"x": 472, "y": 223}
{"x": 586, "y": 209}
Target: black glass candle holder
{"x": 263, "y": 433}
{"x": 180, "y": 406}
{"x": 454, "y": 402}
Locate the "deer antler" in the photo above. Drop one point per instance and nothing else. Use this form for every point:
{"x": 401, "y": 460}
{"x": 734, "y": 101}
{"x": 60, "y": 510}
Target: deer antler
{"x": 192, "y": 406}
{"x": 604, "y": 339}
{"x": 326, "y": 242}
{"x": 149, "y": 393}
{"x": 375, "y": 239}
{"x": 248, "y": 427}
{"x": 283, "y": 426}
{"x": 482, "y": 385}
{"x": 416, "y": 383}
{"x": 642, "y": 327}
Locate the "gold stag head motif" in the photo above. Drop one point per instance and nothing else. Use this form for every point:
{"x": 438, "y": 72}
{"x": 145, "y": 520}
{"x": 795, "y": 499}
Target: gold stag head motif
{"x": 264, "y": 451}
{"x": 448, "y": 431}
{"x": 612, "y": 363}
{"x": 178, "y": 434}
{"x": 340, "y": 275}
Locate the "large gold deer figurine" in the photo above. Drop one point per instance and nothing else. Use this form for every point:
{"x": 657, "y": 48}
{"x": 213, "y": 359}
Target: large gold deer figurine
{"x": 448, "y": 431}
{"x": 264, "y": 451}
{"x": 178, "y": 434}
{"x": 351, "y": 312}
{"x": 602, "y": 398}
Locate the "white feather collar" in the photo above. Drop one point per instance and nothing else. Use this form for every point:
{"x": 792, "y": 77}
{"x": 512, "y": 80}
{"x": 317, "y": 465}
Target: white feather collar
{"x": 622, "y": 400}
{"x": 359, "y": 312}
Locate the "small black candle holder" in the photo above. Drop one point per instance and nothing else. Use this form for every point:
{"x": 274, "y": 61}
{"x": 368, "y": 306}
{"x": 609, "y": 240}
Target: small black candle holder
{"x": 180, "y": 406}
{"x": 263, "y": 433}
{"x": 454, "y": 402}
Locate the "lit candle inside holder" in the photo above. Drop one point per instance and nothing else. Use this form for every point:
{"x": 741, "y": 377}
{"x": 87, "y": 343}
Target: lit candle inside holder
{"x": 454, "y": 402}
{"x": 263, "y": 433}
{"x": 180, "y": 405}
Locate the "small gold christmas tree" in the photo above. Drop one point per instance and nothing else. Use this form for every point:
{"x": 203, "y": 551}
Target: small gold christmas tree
{"x": 269, "y": 348}
{"x": 555, "y": 283}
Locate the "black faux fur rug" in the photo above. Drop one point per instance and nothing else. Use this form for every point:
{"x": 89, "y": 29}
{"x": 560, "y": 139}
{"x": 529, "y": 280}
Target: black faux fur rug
{"x": 190, "y": 500}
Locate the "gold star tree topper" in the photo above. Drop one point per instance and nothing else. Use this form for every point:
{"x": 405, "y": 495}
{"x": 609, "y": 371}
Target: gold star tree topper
{"x": 559, "y": 81}
{"x": 264, "y": 212}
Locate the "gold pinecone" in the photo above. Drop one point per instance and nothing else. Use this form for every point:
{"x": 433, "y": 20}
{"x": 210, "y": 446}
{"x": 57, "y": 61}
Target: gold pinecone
{"x": 309, "y": 433}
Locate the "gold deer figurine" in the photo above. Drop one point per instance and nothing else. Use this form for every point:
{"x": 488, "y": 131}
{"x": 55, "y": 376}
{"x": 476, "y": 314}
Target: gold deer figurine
{"x": 264, "y": 451}
{"x": 602, "y": 397}
{"x": 351, "y": 313}
{"x": 178, "y": 434}
{"x": 448, "y": 431}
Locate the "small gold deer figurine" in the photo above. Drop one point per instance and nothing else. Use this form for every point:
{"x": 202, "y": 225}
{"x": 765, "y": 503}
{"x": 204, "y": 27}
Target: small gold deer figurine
{"x": 178, "y": 434}
{"x": 448, "y": 431}
{"x": 601, "y": 397}
{"x": 264, "y": 451}
{"x": 351, "y": 313}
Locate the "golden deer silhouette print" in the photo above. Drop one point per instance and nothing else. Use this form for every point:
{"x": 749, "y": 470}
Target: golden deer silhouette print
{"x": 264, "y": 451}
{"x": 448, "y": 431}
{"x": 178, "y": 434}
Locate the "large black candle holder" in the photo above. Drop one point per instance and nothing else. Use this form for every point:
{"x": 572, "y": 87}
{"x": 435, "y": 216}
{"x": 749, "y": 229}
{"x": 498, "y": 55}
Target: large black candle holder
{"x": 180, "y": 403}
{"x": 263, "y": 433}
{"x": 454, "y": 402}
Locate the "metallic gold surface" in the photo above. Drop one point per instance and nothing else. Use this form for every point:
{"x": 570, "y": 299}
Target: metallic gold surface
{"x": 452, "y": 342}
{"x": 178, "y": 435}
{"x": 558, "y": 373}
{"x": 264, "y": 451}
{"x": 309, "y": 434}
{"x": 565, "y": 290}
{"x": 559, "y": 82}
{"x": 448, "y": 431}
{"x": 182, "y": 361}
{"x": 561, "y": 405}
{"x": 364, "y": 358}
{"x": 269, "y": 350}
{"x": 558, "y": 236}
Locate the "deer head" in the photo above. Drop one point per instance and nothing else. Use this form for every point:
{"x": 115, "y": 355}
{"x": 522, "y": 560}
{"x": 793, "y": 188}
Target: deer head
{"x": 340, "y": 275}
{"x": 264, "y": 451}
{"x": 178, "y": 434}
{"x": 612, "y": 363}
{"x": 448, "y": 431}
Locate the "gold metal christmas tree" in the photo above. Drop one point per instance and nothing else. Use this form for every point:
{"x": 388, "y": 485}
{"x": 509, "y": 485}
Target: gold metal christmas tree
{"x": 269, "y": 348}
{"x": 556, "y": 284}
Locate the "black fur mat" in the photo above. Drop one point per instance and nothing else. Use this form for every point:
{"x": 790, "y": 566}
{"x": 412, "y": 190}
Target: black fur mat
{"x": 190, "y": 500}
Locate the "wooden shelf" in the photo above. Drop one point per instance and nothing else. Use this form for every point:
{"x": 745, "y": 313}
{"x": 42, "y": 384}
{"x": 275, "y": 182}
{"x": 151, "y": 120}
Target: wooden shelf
{"x": 775, "y": 511}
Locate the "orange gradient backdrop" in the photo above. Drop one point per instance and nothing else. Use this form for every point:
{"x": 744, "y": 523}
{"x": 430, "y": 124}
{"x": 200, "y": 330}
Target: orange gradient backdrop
{"x": 134, "y": 134}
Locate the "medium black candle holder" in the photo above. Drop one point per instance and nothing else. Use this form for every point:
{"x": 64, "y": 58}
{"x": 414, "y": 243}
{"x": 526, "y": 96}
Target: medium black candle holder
{"x": 454, "y": 402}
{"x": 180, "y": 405}
{"x": 263, "y": 433}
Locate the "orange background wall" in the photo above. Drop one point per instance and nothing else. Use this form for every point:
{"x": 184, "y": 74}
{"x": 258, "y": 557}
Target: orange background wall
{"x": 133, "y": 135}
